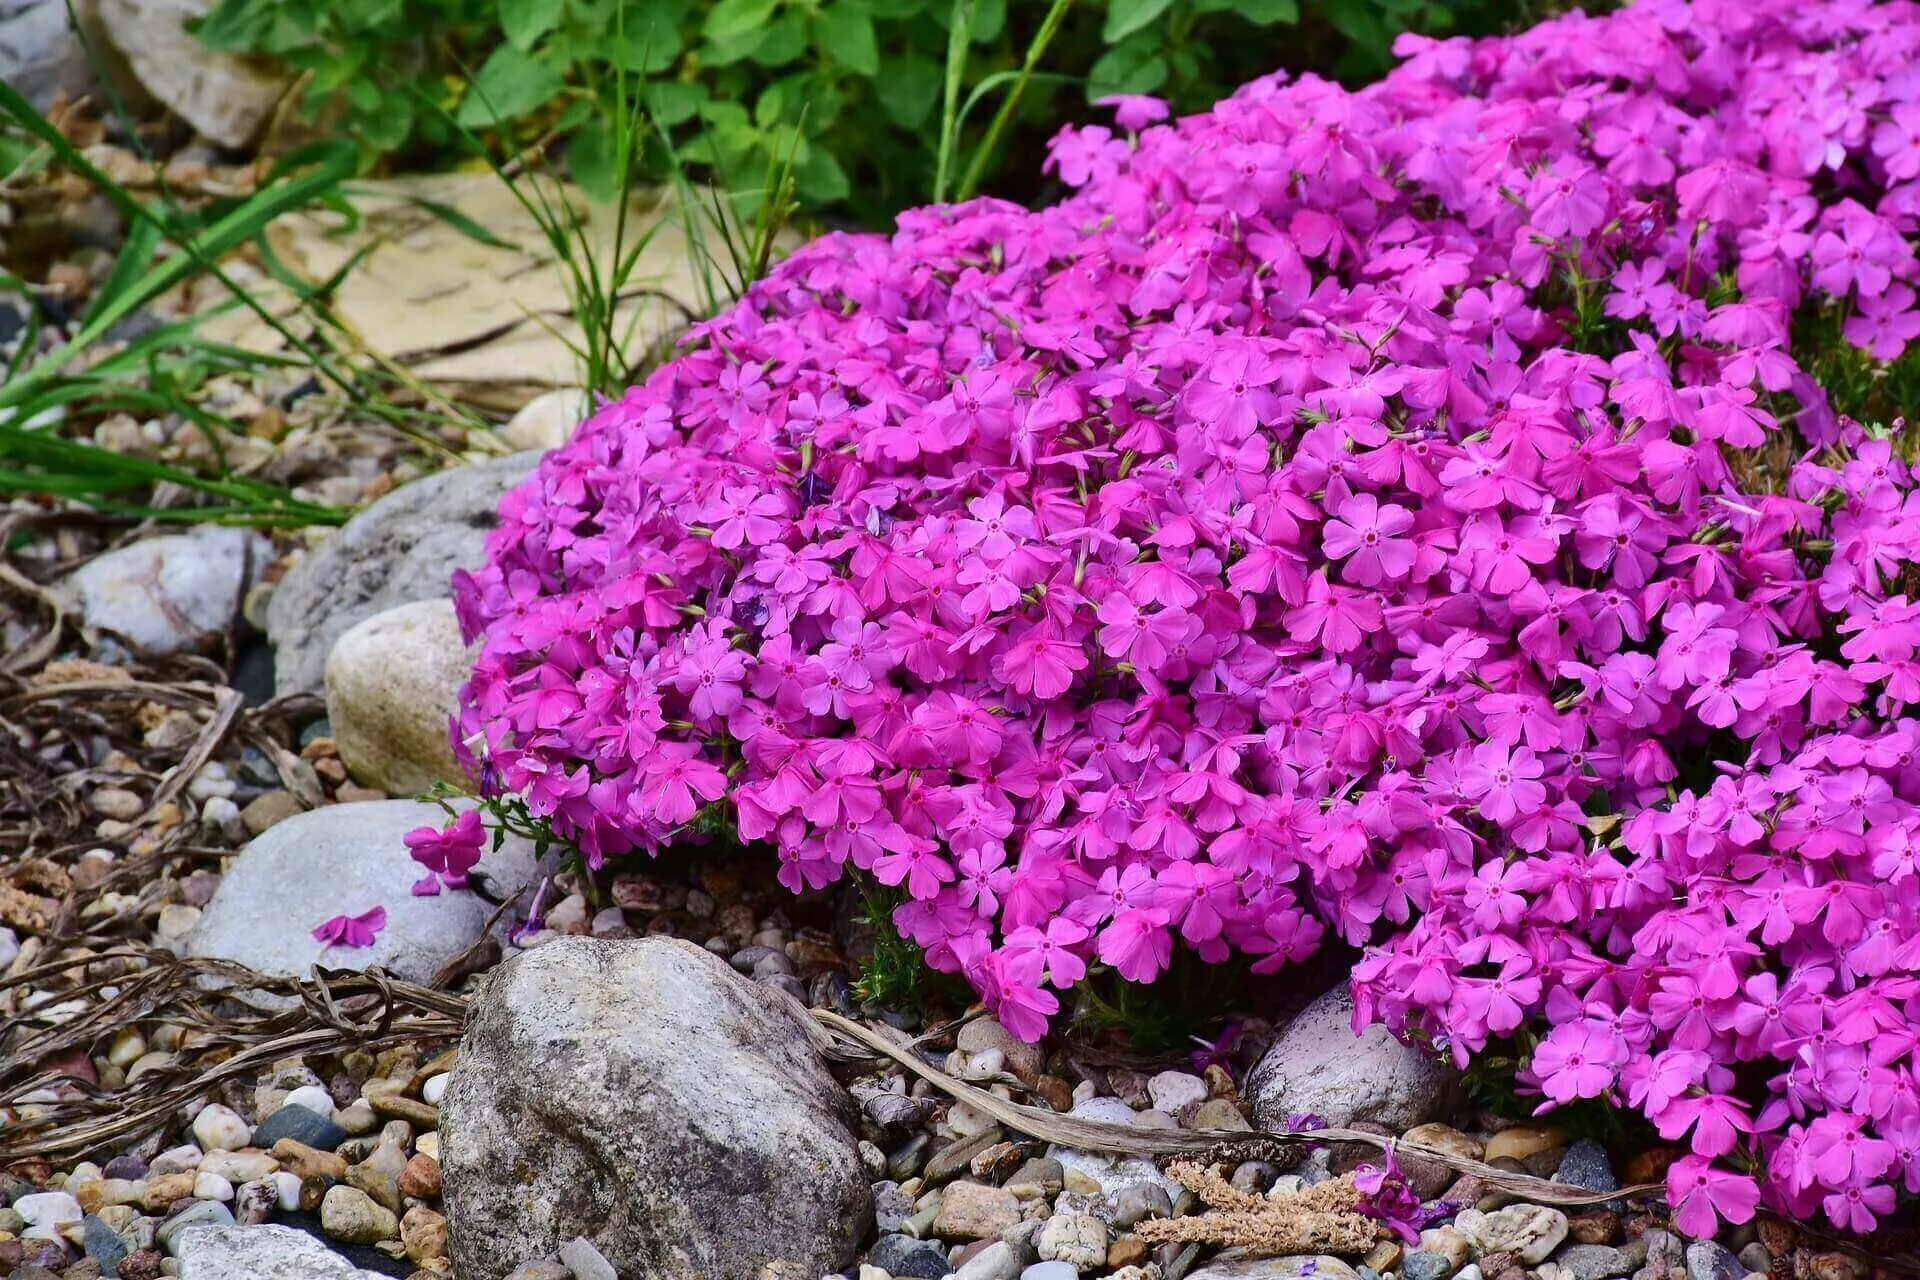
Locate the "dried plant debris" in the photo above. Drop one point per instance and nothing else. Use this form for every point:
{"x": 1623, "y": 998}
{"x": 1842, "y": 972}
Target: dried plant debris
{"x": 1321, "y": 1218}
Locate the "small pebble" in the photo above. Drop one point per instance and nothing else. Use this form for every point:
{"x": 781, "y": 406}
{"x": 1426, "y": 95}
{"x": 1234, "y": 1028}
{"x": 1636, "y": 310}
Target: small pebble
{"x": 220, "y": 1128}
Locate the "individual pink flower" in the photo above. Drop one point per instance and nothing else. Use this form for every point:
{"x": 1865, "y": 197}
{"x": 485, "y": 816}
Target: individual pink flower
{"x": 448, "y": 853}
{"x": 351, "y": 931}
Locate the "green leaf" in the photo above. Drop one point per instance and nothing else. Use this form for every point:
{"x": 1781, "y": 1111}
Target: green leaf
{"x": 819, "y": 177}
{"x": 781, "y": 42}
{"x": 908, "y": 91}
{"x": 525, "y": 21}
{"x": 508, "y": 85}
{"x": 845, "y": 31}
{"x": 1134, "y": 66}
{"x": 1261, "y": 13}
{"x": 671, "y": 102}
{"x": 732, "y": 19}
{"x": 1124, "y": 17}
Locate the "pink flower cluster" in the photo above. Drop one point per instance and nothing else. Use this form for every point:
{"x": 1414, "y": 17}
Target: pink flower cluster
{"x": 1402, "y": 514}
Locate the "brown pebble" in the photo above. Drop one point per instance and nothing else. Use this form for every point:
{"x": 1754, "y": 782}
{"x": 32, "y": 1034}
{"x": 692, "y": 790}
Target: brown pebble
{"x": 164, "y": 1189}
{"x": 400, "y": 1107}
{"x": 1650, "y": 1165}
{"x": 421, "y": 1177}
{"x": 1594, "y": 1226}
{"x": 1127, "y": 1251}
{"x": 141, "y": 1264}
{"x": 1055, "y": 1092}
{"x": 266, "y": 810}
{"x": 306, "y": 1162}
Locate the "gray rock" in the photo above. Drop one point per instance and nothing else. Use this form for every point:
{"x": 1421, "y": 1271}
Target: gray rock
{"x": 260, "y": 1253}
{"x": 998, "y": 1261}
{"x": 1710, "y": 1260}
{"x": 646, "y": 1097}
{"x": 903, "y": 1256}
{"x": 1141, "y": 1200}
{"x": 103, "y": 1244}
{"x": 585, "y": 1261}
{"x": 892, "y": 1207}
{"x": 392, "y": 682}
{"x": 40, "y": 55}
{"x": 169, "y": 594}
{"x": 1318, "y": 1065}
{"x": 547, "y": 421}
{"x": 1426, "y": 1264}
{"x": 201, "y": 1213}
{"x": 1587, "y": 1165}
{"x": 307, "y": 1127}
{"x": 1296, "y": 1267}
{"x": 341, "y": 860}
{"x": 403, "y": 548}
{"x": 1595, "y": 1261}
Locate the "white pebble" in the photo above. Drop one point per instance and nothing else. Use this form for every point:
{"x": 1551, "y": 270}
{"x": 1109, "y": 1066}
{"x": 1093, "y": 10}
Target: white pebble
{"x": 177, "y": 1160}
{"x": 220, "y": 1128}
{"x": 1172, "y": 1090}
{"x": 9, "y": 946}
{"x": 217, "y": 813}
{"x": 46, "y": 1212}
{"x": 288, "y": 1184}
{"x": 434, "y": 1089}
{"x": 211, "y": 1186}
{"x": 313, "y": 1098}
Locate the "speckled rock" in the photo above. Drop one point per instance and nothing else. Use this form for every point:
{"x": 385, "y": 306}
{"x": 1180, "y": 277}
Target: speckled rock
{"x": 1318, "y": 1065}
{"x": 403, "y": 548}
{"x": 259, "y": 1253}
{"x": 734, "y": 1143}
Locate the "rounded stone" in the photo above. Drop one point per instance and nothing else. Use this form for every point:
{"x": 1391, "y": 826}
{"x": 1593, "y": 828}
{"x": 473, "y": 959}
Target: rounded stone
{"x": 392, "y": 682}
{"x": 1319, "y": 1065}
{"x": 340, "y": 860}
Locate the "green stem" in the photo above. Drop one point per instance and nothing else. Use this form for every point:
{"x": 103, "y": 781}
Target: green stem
{"x": 977, "y": 167}
{"x": 959, "y": 32}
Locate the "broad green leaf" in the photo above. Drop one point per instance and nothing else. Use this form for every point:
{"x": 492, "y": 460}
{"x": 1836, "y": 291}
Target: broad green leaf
{"x": 1262, "y": 13}
{"x": 732, "y": 19}
{"x": 525, "y": 21}
{"x": 783, "y": 40}
{"x": 672, "y": 102}
{"x": 593, "y": 160}
{"x": 1133, "y": 66}
{"x": 1124, "y": 17}
{"x": 508, "y": 85}
{"x": 909, "y": 89}
{"x": 845, "y": 31}
{"x": 819, "y": 177}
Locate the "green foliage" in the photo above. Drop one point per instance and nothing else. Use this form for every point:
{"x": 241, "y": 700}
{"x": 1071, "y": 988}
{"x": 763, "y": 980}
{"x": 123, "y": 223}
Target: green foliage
{"x": 849, "y": 91}
{"x": 1180, "y": 1011}
{"x": 896, "y": 976}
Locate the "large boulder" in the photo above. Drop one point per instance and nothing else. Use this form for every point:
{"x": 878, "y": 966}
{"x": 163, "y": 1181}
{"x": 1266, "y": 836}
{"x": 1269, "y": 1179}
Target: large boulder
{"x": 393, "y": 681}
{"x": 643, "y": 1095}
{"x": 1319, "y": 1065}
{"x": 343, "y": 860}
{"x": 259, "y": 1253}
{"x": 403, "y": 548}
{"x": 168, "y": 594}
